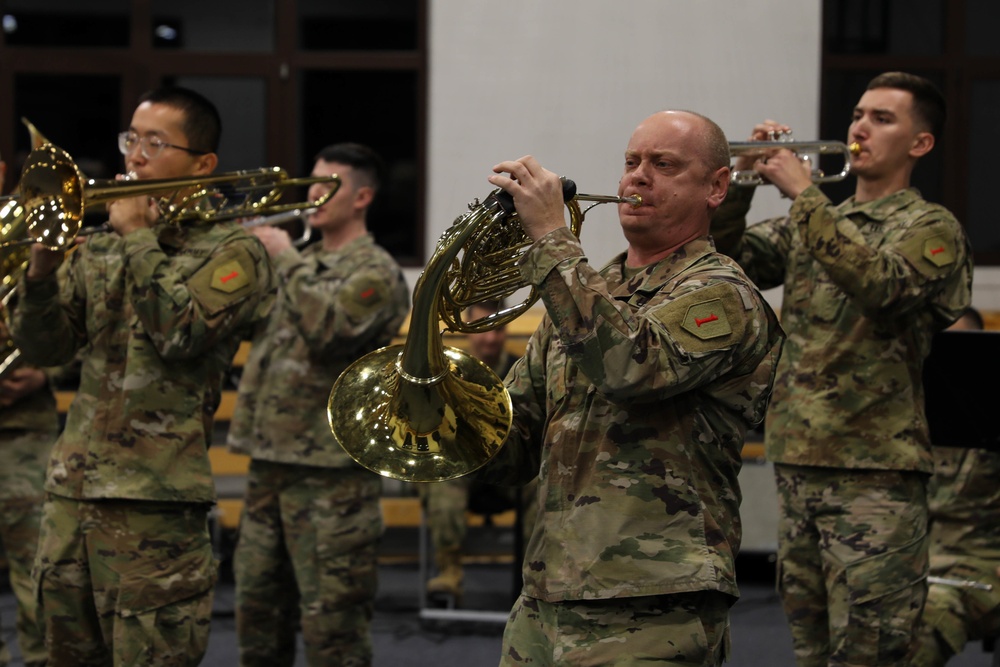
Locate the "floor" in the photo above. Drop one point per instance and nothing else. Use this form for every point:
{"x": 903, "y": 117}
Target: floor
{"x": 760, "y": 637}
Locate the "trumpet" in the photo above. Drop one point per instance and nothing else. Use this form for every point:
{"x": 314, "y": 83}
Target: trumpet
{"x": 424, "y": 412}
{"x": 54, "y": 195}
{"x": 804, "y": 149}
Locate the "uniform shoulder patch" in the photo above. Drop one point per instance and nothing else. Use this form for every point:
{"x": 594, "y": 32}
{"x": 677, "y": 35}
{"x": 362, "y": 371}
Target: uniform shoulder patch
{"x": 229, "y": 277}
{"x": 707, "y": 319}
{"x": 939, "y": 251}
{"x": 363, "y": 294}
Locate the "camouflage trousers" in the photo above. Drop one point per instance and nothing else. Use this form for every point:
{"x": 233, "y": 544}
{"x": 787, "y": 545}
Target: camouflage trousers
{"x": 306, "y": 555}
{"x": 684, "y": 630}
{"x": 954, "y": 615}
{"x": 22, "y": 475}
{"x": 125, "y": 582}
{"x": 19, "y": 521}
{"x": 852, "y": 563}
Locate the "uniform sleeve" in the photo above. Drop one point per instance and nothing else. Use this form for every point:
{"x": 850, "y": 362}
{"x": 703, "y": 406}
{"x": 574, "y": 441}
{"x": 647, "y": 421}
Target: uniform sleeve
{"x": 49, "y": 322}
{"x": 679, "y": 341}
{"x": 184, "y": 316}
{"x": 761, "y": 249}
{"x": 929, "y": 261}
{"x": 346, "y": 311}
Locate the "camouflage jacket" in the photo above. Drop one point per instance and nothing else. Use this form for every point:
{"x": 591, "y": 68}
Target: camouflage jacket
{"x": 866, "y": 286}
{"x": 157, "y": 315}
{"x": 34, "y": 412}
{"x": 333, "y": 307}
{"x": 964, "y": 500}
{"x": 631, "y": 403}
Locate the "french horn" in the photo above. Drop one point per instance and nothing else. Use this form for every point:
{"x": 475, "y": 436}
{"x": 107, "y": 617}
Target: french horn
{"x": 426, "y": 412}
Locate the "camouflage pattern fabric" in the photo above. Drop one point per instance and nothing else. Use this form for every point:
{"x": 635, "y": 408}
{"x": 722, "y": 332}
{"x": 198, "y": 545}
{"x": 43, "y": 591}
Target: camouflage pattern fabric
{"x": 158, "y": 315}
{"x": 23, "y": 456}
{"x": 333, "y": 307}
{"x": 311, "y": 531}
{"x": 866, "y": 287}
{"x": 852, "y": 559}
{"x": 125, "y": 582}
{"x": 312, "y": 515}
{"x": 631, "y": 405}
{"x": 964, "y": 547}
{"x": 684, "y": 630}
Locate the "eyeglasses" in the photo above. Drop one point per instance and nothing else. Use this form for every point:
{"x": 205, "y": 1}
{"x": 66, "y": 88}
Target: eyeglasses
{"x": 149, "y": 146}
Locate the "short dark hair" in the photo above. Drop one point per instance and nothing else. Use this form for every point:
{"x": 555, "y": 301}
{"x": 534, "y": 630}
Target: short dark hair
{"x": 202, "y": 123}
{"x": 929, "y": 105}
{"x": 365, "y": 161}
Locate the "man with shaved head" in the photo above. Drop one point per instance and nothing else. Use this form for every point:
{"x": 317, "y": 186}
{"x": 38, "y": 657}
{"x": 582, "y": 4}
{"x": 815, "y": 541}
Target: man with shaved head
{"x": 631, "y": 405}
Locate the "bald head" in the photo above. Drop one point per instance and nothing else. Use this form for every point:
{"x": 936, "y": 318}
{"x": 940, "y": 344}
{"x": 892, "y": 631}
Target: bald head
{"x": 712, "y": 145}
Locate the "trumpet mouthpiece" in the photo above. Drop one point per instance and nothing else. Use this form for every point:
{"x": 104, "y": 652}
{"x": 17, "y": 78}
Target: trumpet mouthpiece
{"x": 854, "y": 148}
{"x": 634, "y": 200}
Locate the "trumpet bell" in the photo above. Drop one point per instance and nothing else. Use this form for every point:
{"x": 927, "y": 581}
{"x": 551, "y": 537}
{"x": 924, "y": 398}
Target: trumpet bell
{"x": 416, "y": 431}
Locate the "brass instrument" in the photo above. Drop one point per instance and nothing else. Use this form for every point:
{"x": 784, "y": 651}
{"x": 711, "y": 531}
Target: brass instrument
{"x": 424, "y": 412}
{"x": 55, "y": 196}
{"x": 282, "y": 218}
{"x": 804, "y": 149}
{"x": 13, "y": 260}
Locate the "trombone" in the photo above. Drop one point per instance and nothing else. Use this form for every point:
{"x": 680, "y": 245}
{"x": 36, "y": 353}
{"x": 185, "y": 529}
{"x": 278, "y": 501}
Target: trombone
{"x": 424, "y": 412}
{"x": 282, "y": 218}
{"x": 54, "y": 195}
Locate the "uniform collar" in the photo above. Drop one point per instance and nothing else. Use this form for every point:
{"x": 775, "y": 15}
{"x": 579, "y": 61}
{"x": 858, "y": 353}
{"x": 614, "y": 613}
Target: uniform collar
{"x": 654, "y": 276}
{"x": 882, "y": 209}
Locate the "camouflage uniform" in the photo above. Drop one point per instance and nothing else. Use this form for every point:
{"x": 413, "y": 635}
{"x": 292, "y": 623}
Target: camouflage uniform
{"x": 866, "y": 286}
{"x": 631, "y": 404}
{"x": 965, "y": 545}
{"x": 125, "y": 568}
{"x": 311, "y": 519}
{"x": 27, "y": 430}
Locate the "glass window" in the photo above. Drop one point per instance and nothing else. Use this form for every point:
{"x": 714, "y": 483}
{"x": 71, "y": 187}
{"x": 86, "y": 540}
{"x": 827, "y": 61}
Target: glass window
{"x": 66, "y": 23}
{"x": 240, "y": 101}
{"x": 220, "y": 25}
{"x": 358, "y": 25}
{"x": 981, "y": 20}
{"x": 981, "y": 222}
{"x": 385, "y": 118}
{"x": 88, "y": 132}
{"x": 891, "y": 27}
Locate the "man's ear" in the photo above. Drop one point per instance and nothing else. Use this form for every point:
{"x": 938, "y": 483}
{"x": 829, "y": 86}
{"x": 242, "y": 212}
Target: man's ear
{"x": 922, "y": 144}
{"x": 206, "y": 164}
{"x": 719, "y": 186}
{"x": 363, "y": 197}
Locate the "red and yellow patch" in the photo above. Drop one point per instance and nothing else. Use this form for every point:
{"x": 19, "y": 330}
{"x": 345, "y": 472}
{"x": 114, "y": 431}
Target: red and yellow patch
{"x": 229, "y": 277}
{"x": 707, "y": 319}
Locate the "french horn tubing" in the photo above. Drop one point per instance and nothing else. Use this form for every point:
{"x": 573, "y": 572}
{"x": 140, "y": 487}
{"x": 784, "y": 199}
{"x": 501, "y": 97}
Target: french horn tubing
{"x": 426, "y": 412}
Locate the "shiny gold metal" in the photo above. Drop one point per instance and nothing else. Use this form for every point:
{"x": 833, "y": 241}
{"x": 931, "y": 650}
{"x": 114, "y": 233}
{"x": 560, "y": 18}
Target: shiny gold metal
{"x": 425, "y": 412}
{"x": 55, "y": 196}
{"x": 803, "y": 149}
